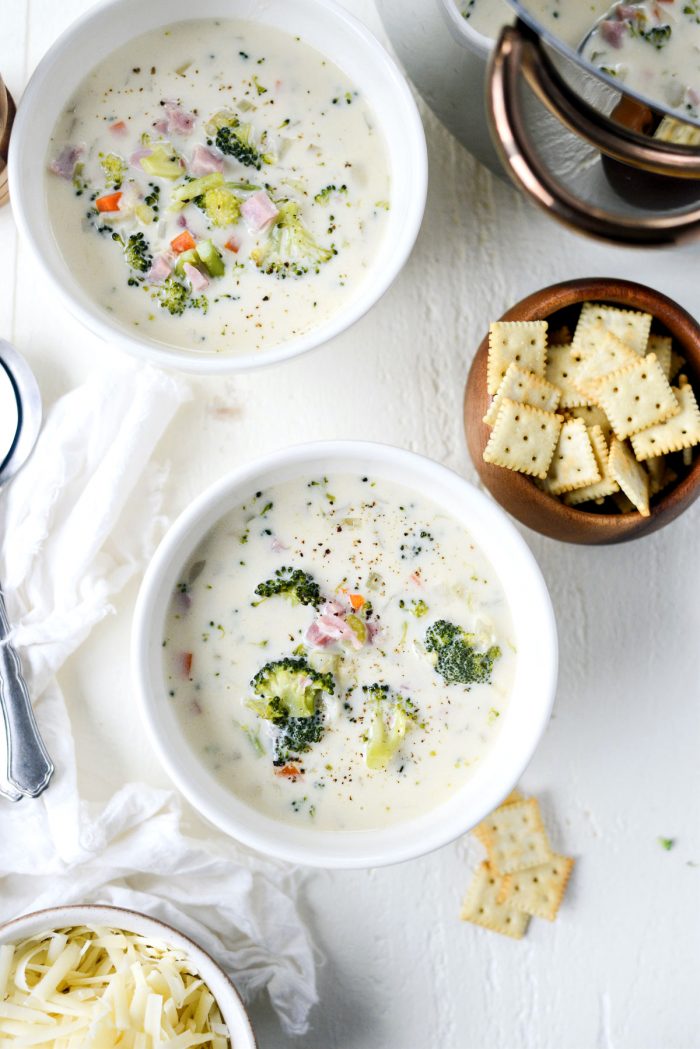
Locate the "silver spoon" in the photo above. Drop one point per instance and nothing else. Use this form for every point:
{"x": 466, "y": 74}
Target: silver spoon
{"x": 29, "y": 767}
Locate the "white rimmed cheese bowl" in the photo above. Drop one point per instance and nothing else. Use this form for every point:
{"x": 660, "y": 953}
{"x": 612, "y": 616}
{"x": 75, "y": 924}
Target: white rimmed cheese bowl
{"x": 226, "y": 995}
{"x": 323, "y": 24}
{"x": 523, "y": 723}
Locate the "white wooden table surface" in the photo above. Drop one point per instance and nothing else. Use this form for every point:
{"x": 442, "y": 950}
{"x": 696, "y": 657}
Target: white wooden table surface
{"x": 618, "y": 766}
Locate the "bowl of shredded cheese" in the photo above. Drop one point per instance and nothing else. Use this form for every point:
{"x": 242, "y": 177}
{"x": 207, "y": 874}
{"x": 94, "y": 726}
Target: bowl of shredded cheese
{"x": 97, "y": 977}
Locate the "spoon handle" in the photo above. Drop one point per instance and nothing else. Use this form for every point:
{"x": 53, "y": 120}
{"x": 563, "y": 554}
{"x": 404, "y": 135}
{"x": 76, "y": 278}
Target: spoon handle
{"x": 29, "y": 767}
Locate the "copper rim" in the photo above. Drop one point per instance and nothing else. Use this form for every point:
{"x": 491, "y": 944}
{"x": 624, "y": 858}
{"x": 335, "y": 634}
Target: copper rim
{"x": 518, "y": 56}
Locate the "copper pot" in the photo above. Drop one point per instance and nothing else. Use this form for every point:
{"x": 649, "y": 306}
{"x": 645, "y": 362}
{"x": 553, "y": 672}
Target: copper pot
{"x": 645, "y": 191}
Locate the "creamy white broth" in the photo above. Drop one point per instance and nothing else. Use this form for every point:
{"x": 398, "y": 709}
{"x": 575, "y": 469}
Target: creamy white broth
{"x": 653, "y": 49}
{"x": 306, "y": 118}
{"x": 353, "y": 536}
{"x": 569, "y": 20}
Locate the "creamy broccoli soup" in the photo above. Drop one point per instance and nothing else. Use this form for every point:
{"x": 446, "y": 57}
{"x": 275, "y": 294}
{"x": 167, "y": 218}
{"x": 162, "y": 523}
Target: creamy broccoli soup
{"x": 650, "y": 46}
{"x": 219, "y": 186}
{"x": 339, "y": 653}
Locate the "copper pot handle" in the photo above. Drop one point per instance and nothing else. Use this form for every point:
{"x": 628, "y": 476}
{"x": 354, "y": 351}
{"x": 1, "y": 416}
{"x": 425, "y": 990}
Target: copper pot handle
{"x": 7, "y": 116}
{"x": 517, "y": 56}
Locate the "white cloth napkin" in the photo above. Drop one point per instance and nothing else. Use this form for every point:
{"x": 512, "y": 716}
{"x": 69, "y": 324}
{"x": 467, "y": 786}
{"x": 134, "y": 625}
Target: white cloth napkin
{"x": 79, "y": 520}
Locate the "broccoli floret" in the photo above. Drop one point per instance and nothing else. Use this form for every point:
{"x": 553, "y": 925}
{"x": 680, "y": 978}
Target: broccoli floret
{"x": 419, "y": 608}
{"x": 293, "y": 583}
{"x": 455, "y": 655}
{"x": 137, "y": 253}
{"x": 295, "y": 737}
{"x": 114, "y": 168}
{"x": 173, "y": 296}
{"x": 290, "y": 250}
{"x": 238, "y": 141}
{"x": 391, "y": 719}
{"x": 194, "y": 188}
{"x": 289, "y": 689}
{"x": 221, "y": 206}
{"x": 324, "y": 195}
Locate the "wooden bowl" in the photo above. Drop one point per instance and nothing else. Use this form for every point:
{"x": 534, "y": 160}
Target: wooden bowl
{"x": 517, "y": 493}
{"x": 7, "y": 116}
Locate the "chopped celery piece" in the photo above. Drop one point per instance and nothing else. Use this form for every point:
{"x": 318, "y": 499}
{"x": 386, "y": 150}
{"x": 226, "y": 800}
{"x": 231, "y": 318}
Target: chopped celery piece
{"x": 210, "y": 256}
{"x": 163, "y": 162}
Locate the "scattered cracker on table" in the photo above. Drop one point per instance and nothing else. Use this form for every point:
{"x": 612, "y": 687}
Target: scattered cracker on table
{"x": 539, "y": 890}
{"x": 523, "y": 438}
{"x": 629, "y": 325}
{"x": 605, "y": 355}
{"x": 562, "y": 366}
{"x": 607, "y": 483}
{"x": 526, "y": 388}
{"x": 524, "y": 342}
{"x": 534, "y": 887}
{"x": 481, "y": 906}
{"x": 636, "y": 396}
{"x": 630, "y": 475}
{"x": 573, "y": 463}
{"x": 514, "y": 837}
{"x": 661, "y": 347}
{"x": 673, "y": 435}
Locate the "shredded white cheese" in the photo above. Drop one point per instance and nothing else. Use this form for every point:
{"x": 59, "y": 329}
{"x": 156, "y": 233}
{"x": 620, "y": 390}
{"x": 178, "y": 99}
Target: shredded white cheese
{"x": 97, "y": 988}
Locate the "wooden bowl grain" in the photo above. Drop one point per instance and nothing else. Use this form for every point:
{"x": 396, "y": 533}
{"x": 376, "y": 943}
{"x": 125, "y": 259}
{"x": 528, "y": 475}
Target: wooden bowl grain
{"x": 7, "y": 116}
{"x": 517, "y": 493}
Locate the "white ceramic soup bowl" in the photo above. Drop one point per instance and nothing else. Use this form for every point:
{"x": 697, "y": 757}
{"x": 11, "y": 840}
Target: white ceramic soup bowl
{"x": 226, "y": 995}
{"x": 324, "y": 25}
{"x": 523, "y": 723}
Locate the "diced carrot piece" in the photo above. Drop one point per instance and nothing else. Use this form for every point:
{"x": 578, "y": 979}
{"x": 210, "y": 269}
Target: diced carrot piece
{"x": 185, "y": 663}
{"x": 232, "y": 245}
{"x": 118, "y": 127}
{"x": 288, "y": 771}
{"x": 357, "y": 601}
{"x": 183, "y": 242}
{"x": 110, "y": 202}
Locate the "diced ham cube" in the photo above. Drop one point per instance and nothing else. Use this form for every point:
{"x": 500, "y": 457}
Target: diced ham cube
{"x": 613, "y": 32}
{"x": 205, "y": 161}
{"x": 196, "y": 278}
{"x": 331, "y": 626}
{"x": 258, "y": 211}
{"x": 65, "y": 163}
{"x": 179, "y": 121}
{"x": 159, "y": 270}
